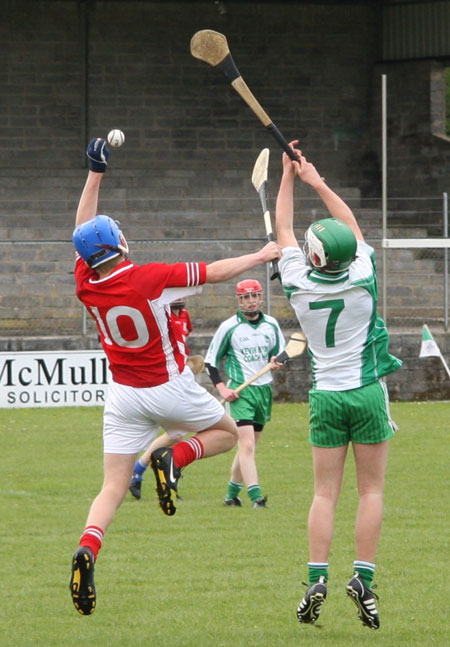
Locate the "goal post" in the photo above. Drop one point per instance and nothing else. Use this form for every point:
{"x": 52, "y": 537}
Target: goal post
{"x": 416, "y": 243}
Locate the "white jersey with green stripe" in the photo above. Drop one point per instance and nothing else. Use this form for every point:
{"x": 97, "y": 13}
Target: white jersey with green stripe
{"x": 246, "y": 347}
{"x": 347, "y": 339}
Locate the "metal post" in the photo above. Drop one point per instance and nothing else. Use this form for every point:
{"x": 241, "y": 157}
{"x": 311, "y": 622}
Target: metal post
{"x": 84, "y": 80}
{"x": 268, "y": 288}
{"x": 384, "y": 189}
{"x": 445, "y": 214}
{"x": 83, "y": 322}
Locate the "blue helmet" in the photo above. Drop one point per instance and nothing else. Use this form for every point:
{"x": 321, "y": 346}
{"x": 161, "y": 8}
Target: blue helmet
{"x": 99, "y": 240}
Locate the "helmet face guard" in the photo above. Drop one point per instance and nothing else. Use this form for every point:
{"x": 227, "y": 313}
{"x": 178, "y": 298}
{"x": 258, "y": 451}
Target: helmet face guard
{"x": 244, "y": 291}
{"x": 247, "y": 286}
{"x": 330, "y": 245}
{"x": 99, "y": 240}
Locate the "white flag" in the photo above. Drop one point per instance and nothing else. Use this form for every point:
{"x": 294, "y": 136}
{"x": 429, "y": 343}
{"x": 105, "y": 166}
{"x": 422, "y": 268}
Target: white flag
{"x": 428, "y": 347}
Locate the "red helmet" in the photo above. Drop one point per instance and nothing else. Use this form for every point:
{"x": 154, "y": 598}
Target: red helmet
{"x": 247, "y": 286}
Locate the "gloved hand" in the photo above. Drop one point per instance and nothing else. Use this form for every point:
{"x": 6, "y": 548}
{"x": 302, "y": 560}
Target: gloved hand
{"x": 98, "y": 155}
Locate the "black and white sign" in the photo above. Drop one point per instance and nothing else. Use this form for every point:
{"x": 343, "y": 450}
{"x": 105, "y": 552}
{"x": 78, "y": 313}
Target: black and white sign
{"x": 53, "y": 379}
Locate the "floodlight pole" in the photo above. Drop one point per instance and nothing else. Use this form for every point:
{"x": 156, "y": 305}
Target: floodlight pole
{"x": 384, "y": 188}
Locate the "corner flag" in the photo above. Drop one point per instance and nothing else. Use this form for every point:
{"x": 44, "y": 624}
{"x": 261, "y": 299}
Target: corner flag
{"x": 429, "y": 348}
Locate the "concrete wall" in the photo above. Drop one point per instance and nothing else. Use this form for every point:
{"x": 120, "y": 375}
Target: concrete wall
{"x": 310, "y": 65}
{"x": 71, "y": 70}
{"x": 417, "y": 379}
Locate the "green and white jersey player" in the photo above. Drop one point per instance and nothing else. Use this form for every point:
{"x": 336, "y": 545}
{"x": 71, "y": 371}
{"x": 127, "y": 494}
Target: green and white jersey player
{"x": 347, "y": 339}
{"x": 332, "y": 286}
{"x": 246, "y": 342}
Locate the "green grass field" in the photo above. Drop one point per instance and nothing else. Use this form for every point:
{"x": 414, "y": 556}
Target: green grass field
{"x": 212, "y": 576}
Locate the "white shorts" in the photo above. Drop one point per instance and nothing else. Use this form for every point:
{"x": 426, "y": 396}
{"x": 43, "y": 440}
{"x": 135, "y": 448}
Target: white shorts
{"x": 132, "y": 416}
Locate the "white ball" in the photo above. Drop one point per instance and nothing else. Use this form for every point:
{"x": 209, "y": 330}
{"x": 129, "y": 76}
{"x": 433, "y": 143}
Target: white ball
{"x": 116, "y": 138}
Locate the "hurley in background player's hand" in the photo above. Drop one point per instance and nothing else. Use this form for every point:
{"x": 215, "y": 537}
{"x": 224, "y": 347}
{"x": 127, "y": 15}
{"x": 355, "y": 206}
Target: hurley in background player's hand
{"x": 98, "y": 155}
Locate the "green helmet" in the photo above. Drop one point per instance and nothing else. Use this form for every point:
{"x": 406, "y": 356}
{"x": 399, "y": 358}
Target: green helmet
{"x": 330, "y": 245}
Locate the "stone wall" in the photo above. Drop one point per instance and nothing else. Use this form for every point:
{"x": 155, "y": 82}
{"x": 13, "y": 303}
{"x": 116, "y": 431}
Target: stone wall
{"x": 72, "y": 70}
{"x": 417, "y": 379}
{"x": 309, "y": 64}
{"x": 418, "y": 150}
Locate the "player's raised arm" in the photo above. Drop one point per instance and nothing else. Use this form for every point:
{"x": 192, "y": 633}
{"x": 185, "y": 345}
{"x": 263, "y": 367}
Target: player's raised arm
{"x": 308, "y": 173}
{"x": 284, "y": 212}
{"x": 98, "y": 154}
{"x": 228, "y": 268}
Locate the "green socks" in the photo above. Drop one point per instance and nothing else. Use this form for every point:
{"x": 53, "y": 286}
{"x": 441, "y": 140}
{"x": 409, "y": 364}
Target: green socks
{"x": 316, "y": 570}
{"x": 365, "y": 570}
{"x": 254, "y": 492}
{"x": 233, "y": 490}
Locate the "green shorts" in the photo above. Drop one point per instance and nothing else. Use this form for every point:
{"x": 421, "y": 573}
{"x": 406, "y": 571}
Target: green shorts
{"x": 254, "y": 403}
{"x": 361, "y": 415}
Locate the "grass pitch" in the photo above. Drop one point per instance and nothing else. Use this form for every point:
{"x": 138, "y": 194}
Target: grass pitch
{"x": 212, "y": 576}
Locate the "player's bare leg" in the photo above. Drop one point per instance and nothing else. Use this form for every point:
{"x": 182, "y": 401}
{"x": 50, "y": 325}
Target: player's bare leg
{"x": 220, "y": 438}
{"x": 117, "y": 473}
{"x": 328, "y": 464}
{"x": 117, "y": 469}
{"x": 243, "y": 467}
{"x": 244, "y": 470}
{"x": 328, "y": 472}
{"x": 163, "y": 440}
{"x": 371, "y": 461}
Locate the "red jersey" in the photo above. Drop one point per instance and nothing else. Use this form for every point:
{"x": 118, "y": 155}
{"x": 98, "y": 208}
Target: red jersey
{"x": 131, "y": 309}
{"x": 182, "y": 326}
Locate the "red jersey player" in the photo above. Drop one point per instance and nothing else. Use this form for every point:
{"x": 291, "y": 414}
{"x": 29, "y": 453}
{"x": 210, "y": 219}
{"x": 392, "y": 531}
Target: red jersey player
{"x": 151, "y": 387}
{"x": 181, "y": 322}
{"x": 182, "y": 326}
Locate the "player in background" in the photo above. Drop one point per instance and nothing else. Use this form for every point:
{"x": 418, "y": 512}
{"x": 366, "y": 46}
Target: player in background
{"x": 332, "y": 286}
{"x": 150, "y": 385}
{"x": 246, "y": 342}
{"x": 181, "y": 323}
